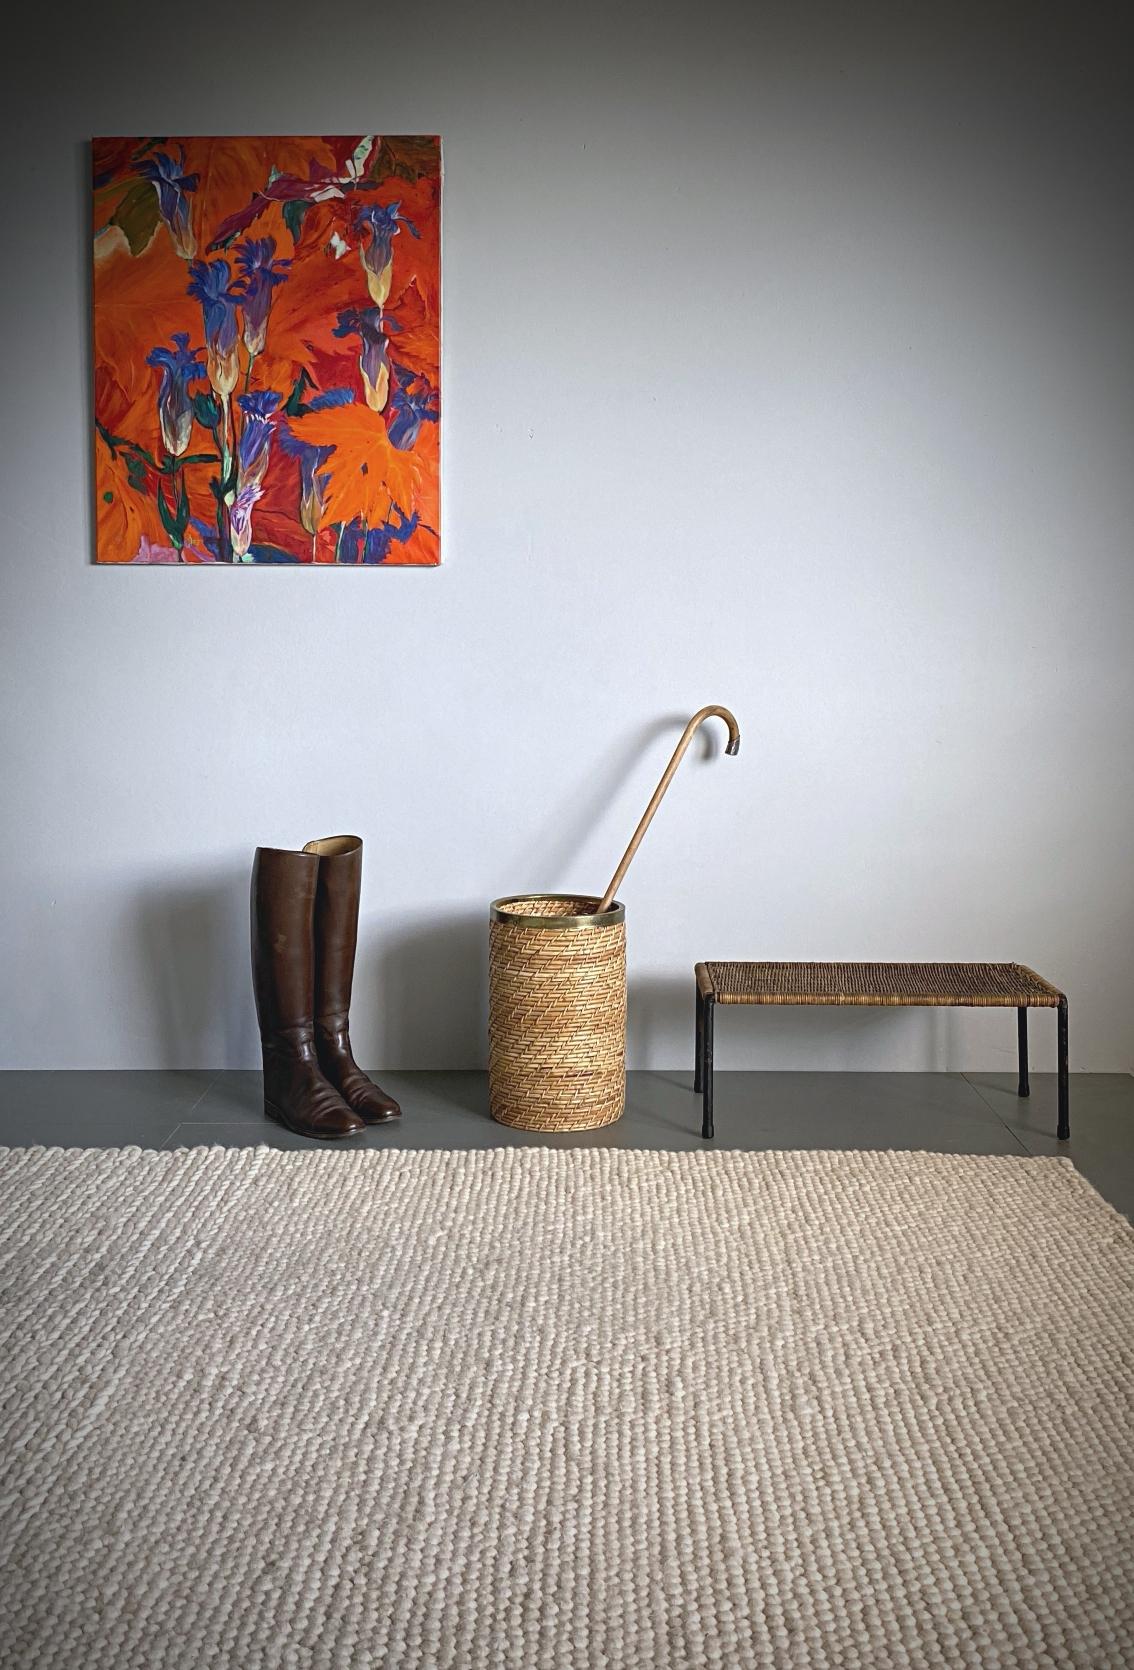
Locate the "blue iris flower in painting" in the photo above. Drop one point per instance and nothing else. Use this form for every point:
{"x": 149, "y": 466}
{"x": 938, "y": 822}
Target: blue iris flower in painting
{"x": 412, "y": 403}
{"x": 367, "y": 324}
{"x": 360, "y": 544}
{"x": 313, "y": 482}
{"x": 210, "y": 283}
{"x": 173, "y": 188}
{"x": 179, "y": 366}
{"x": 240, "y": 520}
{"x": 352, "y": 536}
{"x": 377, "y": 227}
{"x": 261, "y": 274}
{"x": 252, "y": 452}
{"x": 379, "y": 540}
{"x": 256, "y": 436}
{"x": 331, "y": 397}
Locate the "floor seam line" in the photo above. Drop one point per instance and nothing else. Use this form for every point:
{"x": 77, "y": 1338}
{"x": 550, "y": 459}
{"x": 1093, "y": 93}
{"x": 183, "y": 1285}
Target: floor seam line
{"x": 1016, "y": 1138}
{"x": 193, "y": 1106}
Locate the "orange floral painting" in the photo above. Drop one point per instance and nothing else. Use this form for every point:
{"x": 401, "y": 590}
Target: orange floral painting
{"x": 267, "y": 342}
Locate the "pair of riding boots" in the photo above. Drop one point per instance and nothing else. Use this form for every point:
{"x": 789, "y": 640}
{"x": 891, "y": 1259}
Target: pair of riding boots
{"x": 304, "y": 934}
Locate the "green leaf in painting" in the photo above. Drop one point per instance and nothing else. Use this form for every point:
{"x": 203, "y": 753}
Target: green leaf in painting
{"x": 405, "y": 156}
{"x": 113, "y": 442}
{"x": 168, "y": 519}
{"x": 170, "y": 466}
{"x": 137, "y": 215}
{"x": 182, "y": 513}
{"x": 296, "y": 406}
{"x": 206, "y": 411}
{"x": 119, "y": 443}
{"x": 225, "y": 491}
{"x": 293, "y": 213}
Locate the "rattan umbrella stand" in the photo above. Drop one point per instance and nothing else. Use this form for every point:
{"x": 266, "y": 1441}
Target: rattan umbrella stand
{"x": 557, "y": 993}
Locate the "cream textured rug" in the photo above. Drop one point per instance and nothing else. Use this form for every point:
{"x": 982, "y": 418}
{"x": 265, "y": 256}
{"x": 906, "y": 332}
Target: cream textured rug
{"x": 563, "y": 1410}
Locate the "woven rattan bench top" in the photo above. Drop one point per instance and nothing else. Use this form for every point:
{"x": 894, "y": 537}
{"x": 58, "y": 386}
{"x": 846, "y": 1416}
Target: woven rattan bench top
{"x": 975, "y": 985}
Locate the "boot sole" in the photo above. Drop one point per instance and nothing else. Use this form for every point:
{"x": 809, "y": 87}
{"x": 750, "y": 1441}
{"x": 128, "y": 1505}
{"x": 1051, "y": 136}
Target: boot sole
{"x": 277, "y": 1117}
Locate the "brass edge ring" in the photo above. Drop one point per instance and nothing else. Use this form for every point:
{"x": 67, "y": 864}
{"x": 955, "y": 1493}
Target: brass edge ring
{"x": 605, "y": 919}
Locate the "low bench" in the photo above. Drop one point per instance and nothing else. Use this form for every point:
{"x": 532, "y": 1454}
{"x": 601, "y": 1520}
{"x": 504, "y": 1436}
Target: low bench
{"x": 874, "y": 986}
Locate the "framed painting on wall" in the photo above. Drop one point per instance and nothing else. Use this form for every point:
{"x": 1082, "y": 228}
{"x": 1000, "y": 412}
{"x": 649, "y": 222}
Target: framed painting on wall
{"x": 267, "y": 348}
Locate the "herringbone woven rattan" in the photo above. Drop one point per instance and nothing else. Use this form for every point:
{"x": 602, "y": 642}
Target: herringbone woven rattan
{"x": 557, "y": 1015}
{"x": 892, "y": 985}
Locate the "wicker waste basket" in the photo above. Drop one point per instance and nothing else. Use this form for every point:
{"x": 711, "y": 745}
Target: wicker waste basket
{"x": 556, "y": 1012}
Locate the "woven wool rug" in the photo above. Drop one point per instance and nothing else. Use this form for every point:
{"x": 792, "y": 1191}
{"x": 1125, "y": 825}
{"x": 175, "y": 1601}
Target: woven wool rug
{"x": 563, "y": 1410}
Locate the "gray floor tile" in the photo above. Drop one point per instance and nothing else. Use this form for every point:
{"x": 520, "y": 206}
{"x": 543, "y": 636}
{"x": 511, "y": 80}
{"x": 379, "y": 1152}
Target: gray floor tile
{"x": 935, "y": 1111}
{"x": 945, "y": 1112}
{"x": 96, "y": 1109}
{"x": 232, "y": 1096}
{"x": 1114, "y": 1181}
{"x": 1101, "y": 1115}
{"x": 1100, "y": 1102}
{"x": 753, "y": 1110}
{"x": 945, "y": 1093}
{"x": 1102, "y": 1124}
{"x": 244, "y": 1133}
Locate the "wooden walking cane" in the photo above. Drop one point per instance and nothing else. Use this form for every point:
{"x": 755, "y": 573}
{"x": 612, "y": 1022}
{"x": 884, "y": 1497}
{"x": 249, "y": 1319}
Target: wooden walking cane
{"x": 698, "y": 719}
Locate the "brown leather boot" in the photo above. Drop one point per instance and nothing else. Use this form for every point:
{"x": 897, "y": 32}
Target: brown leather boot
{"x": 296, "y": 1093}
{"x": 336, "y": 935}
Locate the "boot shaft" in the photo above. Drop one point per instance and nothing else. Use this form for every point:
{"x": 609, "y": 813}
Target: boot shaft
{"x": 284, "y": 886}
{"x": 337, "y": 895}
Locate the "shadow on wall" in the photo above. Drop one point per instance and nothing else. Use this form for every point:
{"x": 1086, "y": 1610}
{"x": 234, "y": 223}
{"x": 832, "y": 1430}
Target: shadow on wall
{"x": 431, "y": 972}
{"x": 193, "y": 950}
{"x": 763, "y": 1038}
{"x": 549, "y": 856}
{"x": 432, "y": 977}
{"x": 195, "y": 988}
{"x": 659, "y": 1010}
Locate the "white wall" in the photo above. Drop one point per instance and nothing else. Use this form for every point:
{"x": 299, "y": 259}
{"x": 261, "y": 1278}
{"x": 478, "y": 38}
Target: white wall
{"x": 787, "y": 364}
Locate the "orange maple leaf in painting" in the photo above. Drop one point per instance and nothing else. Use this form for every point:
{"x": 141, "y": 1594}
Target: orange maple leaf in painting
{"x": 367, "y": 473}
{"x": 414, "y": 342}
{"x": 127, "y": 519}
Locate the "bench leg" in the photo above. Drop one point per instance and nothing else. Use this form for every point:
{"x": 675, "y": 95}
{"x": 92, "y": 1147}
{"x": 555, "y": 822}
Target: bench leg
{"x": 708, "y": 1005}
{"x": 1025, "y": 1088}
{"x": 697, "y": 1043}
{"x": 1063, "y": 1128}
